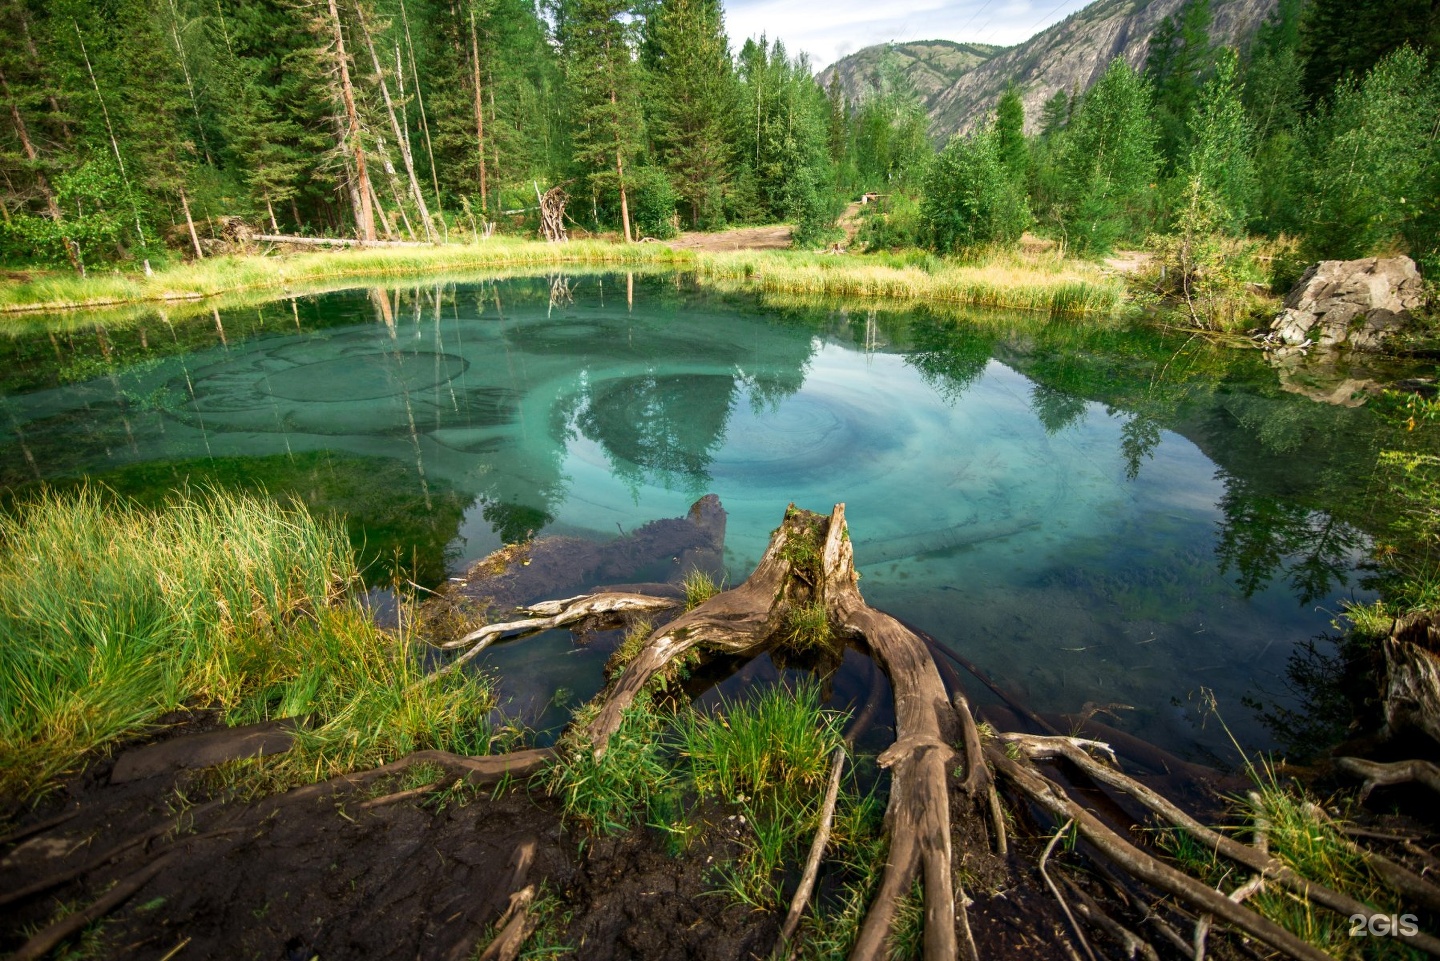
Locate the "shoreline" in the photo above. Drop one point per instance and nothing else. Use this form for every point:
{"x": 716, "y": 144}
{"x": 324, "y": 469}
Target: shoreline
{"x": 1006, "y": 281}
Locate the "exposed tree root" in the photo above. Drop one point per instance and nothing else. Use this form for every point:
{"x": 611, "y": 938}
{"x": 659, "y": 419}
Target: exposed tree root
{"x": 521, "y": 860}
{"x": 110, "y": 854}
{"x": 812, "y": 862}
{"x": 39, "y": 827}
{"x": 1055, "y": 890}
{"x": 1251, "y": 857}
{"x": 41, "y": 944}
{"x": 1146, "y": 868}
{"x": 513, "y": 927}
{"x": 1379, "y": 774}
{"x": 1086, "y": 907}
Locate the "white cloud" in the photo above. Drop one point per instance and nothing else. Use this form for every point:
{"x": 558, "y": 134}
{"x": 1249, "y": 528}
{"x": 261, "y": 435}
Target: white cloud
{"x": 830, "y": 30}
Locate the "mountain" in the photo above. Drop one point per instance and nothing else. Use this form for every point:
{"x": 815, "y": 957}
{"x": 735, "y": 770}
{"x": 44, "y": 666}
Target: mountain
{"x": 933, "y": 66}
{"x": 1070, "y": 55}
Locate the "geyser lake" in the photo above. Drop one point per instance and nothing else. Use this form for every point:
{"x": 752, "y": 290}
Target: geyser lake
{"x": 1101, "y": 518}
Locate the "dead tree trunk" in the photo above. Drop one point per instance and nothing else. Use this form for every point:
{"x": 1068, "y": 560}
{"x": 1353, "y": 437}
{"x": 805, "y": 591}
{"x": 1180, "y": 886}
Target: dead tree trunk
{"x": 479, "y": 111}
{"x": 352, "y": 131}
{"x": 400, "y": 137}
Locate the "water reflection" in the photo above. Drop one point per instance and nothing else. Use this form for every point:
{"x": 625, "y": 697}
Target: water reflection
{"x": 1076, "y": 503}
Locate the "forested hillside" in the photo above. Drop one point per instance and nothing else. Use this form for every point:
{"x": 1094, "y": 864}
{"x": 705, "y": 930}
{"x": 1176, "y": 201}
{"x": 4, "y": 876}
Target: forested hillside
{"x": 134, "y": 126}
{"x": 140, "y": 130}
{"x": 931, "y": 67}
{"x": 1073, "y": 54}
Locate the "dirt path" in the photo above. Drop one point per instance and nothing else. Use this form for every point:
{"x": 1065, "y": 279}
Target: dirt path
{"x": 775, "y": 237}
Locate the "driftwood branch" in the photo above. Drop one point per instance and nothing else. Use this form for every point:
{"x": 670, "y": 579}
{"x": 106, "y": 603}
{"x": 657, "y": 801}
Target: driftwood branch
{"x": 812, "y": 863}
{"x": 550, "y": 615}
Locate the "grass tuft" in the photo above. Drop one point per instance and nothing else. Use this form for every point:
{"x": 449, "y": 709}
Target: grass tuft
{"x": 807, "y": 626}
{"x": 112, "y": 615}
{"x": 699, "y": 587}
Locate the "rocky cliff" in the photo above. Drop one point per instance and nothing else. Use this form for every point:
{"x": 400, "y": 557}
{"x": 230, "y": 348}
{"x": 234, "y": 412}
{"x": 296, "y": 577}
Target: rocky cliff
{"x": 932, "y": 66}
{"x": 1070, "y": 55}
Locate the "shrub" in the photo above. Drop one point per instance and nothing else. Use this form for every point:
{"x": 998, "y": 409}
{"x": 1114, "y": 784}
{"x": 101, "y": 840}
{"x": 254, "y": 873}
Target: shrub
{"x": 652, "y": 203}
{"x": 971, "y": 200}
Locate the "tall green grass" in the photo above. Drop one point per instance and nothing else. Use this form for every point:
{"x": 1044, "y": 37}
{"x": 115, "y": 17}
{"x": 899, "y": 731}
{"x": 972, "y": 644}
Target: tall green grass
{"x": 216, "y": 275}
{"x": 998, "y": 279}
{"x": 112, "y": 615}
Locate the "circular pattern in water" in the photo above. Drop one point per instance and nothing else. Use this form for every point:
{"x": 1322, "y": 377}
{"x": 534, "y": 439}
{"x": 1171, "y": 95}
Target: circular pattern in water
{"x": 362, "y": 376}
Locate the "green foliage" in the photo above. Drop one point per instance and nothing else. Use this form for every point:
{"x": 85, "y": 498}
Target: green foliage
{"x": 891, "y": 224}
{"x": 692, "y": 96}
{"x": 769, "y": 758}
{"x": 603, "y": 86}
{"x": 782, "y": 140}
{"x": 1179, "y": 59}
{"x": 652, "y": 204}
{"x": 1302, "y": 836}
{"x": 1340, "y": 40}
{"x": 1218, "y": 167}
{"x": 1010, "y": 134}
{"x": 888, "y": 144}
{"x": 1372, "y": 174}
{"x": 1108, "y": 163}
{"x": 699, "y": 588}
{"x": 111, "y": 616}
{"x": 97, "y": 217}
{"x": 609, "y": 794}
{"x": 971, "y": 199}
{"x": 807, "y": 626}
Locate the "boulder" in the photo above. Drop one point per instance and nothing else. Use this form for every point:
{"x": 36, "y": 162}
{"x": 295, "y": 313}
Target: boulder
{"x": 1354, "y": 303}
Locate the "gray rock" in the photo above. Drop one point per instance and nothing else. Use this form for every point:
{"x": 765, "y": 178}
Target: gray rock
{"x": 1353, "y": 303}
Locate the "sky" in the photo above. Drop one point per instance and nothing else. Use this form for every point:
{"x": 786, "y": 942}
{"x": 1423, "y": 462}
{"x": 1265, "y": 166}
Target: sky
{"x": 829, "y": 29}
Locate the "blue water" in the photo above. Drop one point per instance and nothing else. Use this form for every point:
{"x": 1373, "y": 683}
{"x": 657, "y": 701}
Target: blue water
{"x": 1038, "y": 498}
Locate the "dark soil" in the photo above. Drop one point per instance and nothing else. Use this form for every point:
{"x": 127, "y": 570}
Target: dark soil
{"x": 289, "y": 878}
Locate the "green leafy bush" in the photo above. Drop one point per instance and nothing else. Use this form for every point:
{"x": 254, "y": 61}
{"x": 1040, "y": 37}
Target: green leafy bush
{"x": 971, "y": 200}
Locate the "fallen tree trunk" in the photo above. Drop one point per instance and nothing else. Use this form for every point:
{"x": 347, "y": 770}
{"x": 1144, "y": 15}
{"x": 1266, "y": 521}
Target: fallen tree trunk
{"x": 337, "y": 241}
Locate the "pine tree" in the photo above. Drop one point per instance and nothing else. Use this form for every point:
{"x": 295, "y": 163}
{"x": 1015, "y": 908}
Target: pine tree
{"x": 602, "y": 82}
{"x": 1055, "y": 114}
{"x": 1010, "y": 134}
{"x": 1179, "y": 60}
{"x": 692, "y": 100}
{"x": 1345, "y": 38}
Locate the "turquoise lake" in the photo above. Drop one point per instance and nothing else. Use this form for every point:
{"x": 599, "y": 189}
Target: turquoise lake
{"x": 1098, "y": 517}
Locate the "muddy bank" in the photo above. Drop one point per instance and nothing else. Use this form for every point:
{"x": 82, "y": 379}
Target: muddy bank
{"x": 346, "y": 878}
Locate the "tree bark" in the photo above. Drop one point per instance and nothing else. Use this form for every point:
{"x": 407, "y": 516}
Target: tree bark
{"x": 395, "y": 126}
{"x": 366, "y": 227}
{"x": 479, "y": 111}
{"x": 751, "y": 618}
{"x": 190, "y": 225}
